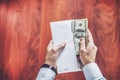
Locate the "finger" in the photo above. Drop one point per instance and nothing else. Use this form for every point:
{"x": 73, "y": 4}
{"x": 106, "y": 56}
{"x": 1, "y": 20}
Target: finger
{"x": 90, "y": 38}
{"x": 82, "y": 45}
{"x": 59, "y": 46}
{"x": 50, "y": 46}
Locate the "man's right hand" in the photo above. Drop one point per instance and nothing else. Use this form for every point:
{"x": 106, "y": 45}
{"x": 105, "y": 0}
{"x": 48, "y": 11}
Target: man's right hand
{"x": 87, "y": 51}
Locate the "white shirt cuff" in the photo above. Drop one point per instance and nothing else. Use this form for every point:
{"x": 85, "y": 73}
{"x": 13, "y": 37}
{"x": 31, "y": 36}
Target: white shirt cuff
{"x": 46, "y": 74}
{"x": 92, "y": 72}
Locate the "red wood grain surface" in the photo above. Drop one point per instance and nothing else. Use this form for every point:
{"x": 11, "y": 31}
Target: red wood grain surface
{"x": 25, "y": 33}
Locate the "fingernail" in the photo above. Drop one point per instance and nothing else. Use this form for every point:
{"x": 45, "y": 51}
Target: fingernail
{"x": 64, "y": 43}
{"x": 81, "y": 39}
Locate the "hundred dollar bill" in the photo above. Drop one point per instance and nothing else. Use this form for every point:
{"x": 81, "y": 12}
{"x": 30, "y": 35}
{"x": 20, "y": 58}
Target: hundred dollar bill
{"x": 79, "y": 29}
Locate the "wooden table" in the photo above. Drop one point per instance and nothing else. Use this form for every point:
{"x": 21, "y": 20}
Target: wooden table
{"x": 25, "y": 33}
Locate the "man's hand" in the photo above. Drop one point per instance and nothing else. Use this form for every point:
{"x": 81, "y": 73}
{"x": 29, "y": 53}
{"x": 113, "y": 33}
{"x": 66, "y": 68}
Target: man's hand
{"x": 52, "y": 53}
{"x": 87, "y": 51}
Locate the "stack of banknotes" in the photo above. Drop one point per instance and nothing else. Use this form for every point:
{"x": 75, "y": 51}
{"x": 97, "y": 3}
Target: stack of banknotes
{"x": 79, "y": 29}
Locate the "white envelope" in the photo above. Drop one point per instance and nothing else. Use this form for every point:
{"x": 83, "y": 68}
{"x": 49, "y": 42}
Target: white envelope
{"x": 61, "y": 32}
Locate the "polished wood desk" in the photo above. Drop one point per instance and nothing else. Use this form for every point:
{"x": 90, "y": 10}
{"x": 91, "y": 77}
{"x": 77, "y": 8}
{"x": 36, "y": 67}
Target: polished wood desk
{"x": 25, "y": 33}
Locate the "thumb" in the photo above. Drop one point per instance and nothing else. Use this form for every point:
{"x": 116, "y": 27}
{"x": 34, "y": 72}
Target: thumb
{"x": 82, "y": 45}
{"x": 59, "y": 46}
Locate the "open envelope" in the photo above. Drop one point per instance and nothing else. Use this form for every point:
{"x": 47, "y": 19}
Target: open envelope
{"x": 61, "y": 32}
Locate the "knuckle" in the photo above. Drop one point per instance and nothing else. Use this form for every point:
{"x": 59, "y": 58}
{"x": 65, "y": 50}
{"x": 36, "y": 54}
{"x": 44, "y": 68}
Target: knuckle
{"x": 53, "y": 50}
{"x": 82, "y": 50}
{"x": 94, "y": 47}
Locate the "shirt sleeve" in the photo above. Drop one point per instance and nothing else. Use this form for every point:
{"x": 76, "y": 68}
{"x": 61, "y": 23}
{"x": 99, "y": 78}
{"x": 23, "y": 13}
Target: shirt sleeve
{"x": 46, "y": 74}
{"x": 92, "y": 72}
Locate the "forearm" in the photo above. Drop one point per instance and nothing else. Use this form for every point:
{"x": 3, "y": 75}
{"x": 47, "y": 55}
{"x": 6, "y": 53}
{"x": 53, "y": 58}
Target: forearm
{"x": 92, "y": 72}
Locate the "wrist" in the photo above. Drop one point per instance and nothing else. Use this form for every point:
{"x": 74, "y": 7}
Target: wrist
{"x": 88, "y": 62}
{"x": 50, "y": 63}
{"x": 49, "y": 67}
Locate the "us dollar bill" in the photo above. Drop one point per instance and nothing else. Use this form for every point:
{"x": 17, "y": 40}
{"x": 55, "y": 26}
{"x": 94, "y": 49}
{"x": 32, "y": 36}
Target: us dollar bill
{"x": 79, "y": 29}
